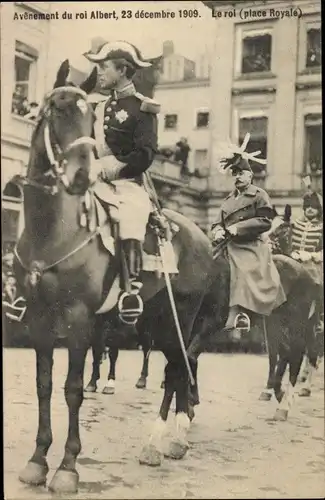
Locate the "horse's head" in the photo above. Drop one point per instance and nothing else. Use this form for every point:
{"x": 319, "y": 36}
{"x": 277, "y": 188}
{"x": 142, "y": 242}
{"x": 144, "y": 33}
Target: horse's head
{"x": 61, "y": 149}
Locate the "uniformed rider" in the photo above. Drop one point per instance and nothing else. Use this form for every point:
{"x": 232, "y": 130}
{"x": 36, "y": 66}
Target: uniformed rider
{"x": 246, "y": 214}
{"x": 126, "y": 138}
{"x": 307, "y": 243}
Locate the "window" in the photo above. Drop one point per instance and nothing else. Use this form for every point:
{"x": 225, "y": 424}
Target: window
{"x": 313, "y": 144}
{"x": 25, "y": 65}
{"x": 170, "y": 122}
{"x": 314, "y": 56}
{"x": 256, "y": 53}
{"x": 201, "y": 164}
{"x": 11, "y": 212}
{"x": 257, "y": 128}
{"x": 202, "y": 119}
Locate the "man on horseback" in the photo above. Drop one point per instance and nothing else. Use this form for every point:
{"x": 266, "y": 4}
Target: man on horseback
{"x": 246, "y": 214}
{"x": 307, "y": 244}
{"x": 126, "y": 136}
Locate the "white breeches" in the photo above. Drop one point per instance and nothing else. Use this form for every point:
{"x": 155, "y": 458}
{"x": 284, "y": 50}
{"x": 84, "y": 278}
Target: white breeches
{"x": 133, "y": 206}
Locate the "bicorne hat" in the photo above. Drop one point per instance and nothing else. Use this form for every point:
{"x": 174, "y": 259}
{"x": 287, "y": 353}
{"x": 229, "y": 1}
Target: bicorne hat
{"x": 118, "y": 50}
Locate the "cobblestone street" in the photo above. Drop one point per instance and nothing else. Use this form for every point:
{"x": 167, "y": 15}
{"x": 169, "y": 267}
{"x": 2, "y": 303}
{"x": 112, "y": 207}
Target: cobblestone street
{"x": 237, "y": 451}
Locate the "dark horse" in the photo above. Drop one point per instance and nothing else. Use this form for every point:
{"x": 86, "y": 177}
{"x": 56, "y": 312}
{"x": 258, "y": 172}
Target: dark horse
{"x": 107, "y": 345}
{"x": 211, "y": 317}
{"x": 63, "y": 265}
{"x": 290, "y": 330}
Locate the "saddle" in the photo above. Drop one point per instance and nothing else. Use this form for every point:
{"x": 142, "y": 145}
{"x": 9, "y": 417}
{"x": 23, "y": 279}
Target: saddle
{"x": 102, "y": 215}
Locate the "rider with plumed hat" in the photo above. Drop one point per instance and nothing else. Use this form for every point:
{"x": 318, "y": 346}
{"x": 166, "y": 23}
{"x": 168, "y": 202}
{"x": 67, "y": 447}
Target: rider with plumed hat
{"x": 126, "y": 138}
{"x": 244, "y": 216}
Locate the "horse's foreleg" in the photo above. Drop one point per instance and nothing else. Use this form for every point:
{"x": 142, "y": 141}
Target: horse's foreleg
{"x": 152, "y": 453}
{"x": 66, "y": 477}
{"x": 179, "y": 444}
{"x": 305, "y": 369}
{"x": 110, "y": 386}
{"x": 36, "y": 470}
{"x": 95, "y": 376}
{"x": 146, "y": 349}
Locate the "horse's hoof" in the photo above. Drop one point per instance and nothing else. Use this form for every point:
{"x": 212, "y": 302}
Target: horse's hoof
{"x": 108, "y": 390}
{"x": 64, "y": 481}
{"x": 279, "y": 395}
{"x": 304, "y": 392}
{"x": 34, "y": 474}
{"x": 90, "y": 388}
{"x": 151, "y": 456}
{"x": 177, "y": 450}
{"x": 191, "y": 412}
{"x": 162, "y": 385}
{"x": 265, "y": 396}
{"x": 281, "y": 415}
{"x": 141, "y": 383}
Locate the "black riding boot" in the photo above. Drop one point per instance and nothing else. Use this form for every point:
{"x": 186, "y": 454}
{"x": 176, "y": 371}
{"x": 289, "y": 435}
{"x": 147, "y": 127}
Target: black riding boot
{"x": 130, "y": 304}
{"x": 133, "y": 256}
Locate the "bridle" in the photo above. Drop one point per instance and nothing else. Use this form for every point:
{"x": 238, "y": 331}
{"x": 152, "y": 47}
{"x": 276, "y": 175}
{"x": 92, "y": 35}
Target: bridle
{"x": 56, "y": 156}
{"x": 58, "y": 161}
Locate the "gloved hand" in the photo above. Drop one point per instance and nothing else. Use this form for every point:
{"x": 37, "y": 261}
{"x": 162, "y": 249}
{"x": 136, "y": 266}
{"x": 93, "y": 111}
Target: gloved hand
{"x": 106, "y": 169}
{"x": 304, "y": 256}
{"x": 218, "y": 234}
{"x": 317, "y": 257}
{"x": 232, "y": 230}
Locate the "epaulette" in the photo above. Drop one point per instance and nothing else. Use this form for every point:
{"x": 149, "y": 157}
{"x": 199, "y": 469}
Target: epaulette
{"x": 148, "y": 105}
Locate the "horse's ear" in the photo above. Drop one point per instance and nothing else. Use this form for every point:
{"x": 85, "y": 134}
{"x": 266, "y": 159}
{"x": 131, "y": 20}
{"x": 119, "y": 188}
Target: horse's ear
{"x": 62, "y": 74}
{"x": 89, "y": 84}
{"x": 287, "y": 213}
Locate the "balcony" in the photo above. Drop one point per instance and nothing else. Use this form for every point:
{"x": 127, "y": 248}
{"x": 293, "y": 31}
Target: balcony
{"x": 170, "y": 172}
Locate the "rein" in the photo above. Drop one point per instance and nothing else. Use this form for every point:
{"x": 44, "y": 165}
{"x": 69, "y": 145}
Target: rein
{"x": 65, "y": 257}
{"x": 57, "y": 160}
{"x": 55, "y": 155}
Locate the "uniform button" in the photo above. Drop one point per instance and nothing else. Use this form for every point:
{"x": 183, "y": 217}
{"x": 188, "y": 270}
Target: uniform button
{"x": 109, "y": 109}
{"x": 107, "y": 118}
{"x": 113, "y": 103}
{"x": 105, "y": 127}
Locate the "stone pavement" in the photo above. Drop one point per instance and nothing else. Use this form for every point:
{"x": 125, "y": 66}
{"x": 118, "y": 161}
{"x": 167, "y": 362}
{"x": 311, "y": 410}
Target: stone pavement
{"x": 237, "y": 451}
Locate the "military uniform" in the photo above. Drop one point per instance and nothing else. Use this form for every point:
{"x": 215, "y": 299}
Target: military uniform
{"x": 255, "y": 283}
{"x": 125, "y": 132}
{"x": 307, "y": 246}
{"x": 126, "y": 127}
{"x": 244, "y": 216}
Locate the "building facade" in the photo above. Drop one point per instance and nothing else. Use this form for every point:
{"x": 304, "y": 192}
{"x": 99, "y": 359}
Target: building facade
{"x": 24, "y": 67}
{"x": 266, "y": 72}
{"x": 263, "y": 76}
{"x": 184, "y": 93}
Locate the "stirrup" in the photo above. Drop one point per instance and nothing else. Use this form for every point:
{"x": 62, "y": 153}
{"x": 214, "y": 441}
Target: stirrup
{"x": 242, "y": 322}
{"x": 130, "y": 313}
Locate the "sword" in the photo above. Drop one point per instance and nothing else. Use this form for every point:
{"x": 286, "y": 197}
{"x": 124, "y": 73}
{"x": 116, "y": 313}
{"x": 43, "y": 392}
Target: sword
{"x": 174, "y": 310}
{"x": 168, "y": 282}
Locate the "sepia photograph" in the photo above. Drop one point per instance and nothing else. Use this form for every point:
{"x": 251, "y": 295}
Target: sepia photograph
{"x": 162, "y": 250}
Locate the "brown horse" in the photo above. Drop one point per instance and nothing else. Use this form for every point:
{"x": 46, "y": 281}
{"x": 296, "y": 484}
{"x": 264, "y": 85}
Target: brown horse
{"x": 63, "y": 266}
{"x": 211, "y": 318}
{"x": 291, "y": 330}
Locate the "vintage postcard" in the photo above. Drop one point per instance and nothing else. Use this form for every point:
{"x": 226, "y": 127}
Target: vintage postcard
{"x": 162, "y": 249}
